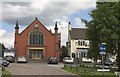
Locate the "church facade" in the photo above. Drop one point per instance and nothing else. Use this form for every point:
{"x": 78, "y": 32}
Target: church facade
{"x": 37, "y": 42}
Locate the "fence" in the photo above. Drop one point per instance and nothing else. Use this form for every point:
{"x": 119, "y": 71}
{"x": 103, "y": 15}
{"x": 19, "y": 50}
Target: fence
{"x": 76, "y": 67}
{"x": 86, "y": 72}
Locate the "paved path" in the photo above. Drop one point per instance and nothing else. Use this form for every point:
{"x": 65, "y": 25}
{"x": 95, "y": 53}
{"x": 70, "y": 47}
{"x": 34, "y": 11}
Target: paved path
{"x": 36, "y": 69}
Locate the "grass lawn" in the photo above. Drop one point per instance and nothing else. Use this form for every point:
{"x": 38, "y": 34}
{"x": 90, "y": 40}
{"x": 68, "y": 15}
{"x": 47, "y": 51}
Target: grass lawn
{"x": 88, "y": 71}
{"x": 4, "y": 73}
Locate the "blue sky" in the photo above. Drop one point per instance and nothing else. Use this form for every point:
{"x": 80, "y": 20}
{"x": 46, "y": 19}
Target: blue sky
{"x": 27, "y": 12}
{"x": 83, "y": 14}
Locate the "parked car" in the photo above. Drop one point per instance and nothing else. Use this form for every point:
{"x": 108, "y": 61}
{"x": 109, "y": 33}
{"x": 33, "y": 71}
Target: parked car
{"x": 99, "y": 62}
{"x": 108, "y": 62}
{"x": 21, "y": 59}
{"x": 9, "y": 59}
{"x": 52, "y": 60}
{"x": 68, "y": 60}
{"x": 5, "y": 63}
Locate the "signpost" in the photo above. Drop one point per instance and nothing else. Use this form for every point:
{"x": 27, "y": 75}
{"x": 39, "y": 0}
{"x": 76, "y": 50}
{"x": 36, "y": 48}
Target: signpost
{"x": 102, "y": 48}
{"x": 102, "y": 53}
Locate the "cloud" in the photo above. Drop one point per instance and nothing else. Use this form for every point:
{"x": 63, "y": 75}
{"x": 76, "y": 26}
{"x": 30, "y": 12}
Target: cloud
{"x": 64, "y": 32}
{"x": 79, "y": 23}
{"x": 46, "y": 11}
{"x": 6, "y": 38}
{"x": 62, "y": 28}
{"x": 2, "y": 32}
{"x": 0, "y": 11}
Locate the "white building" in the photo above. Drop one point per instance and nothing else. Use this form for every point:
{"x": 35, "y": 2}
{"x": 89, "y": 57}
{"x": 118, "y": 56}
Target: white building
{"x": 78, "y": 42}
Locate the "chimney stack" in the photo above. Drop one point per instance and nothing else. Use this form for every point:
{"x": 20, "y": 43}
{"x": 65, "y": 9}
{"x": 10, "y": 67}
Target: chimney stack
{"x": 69, "y": 26}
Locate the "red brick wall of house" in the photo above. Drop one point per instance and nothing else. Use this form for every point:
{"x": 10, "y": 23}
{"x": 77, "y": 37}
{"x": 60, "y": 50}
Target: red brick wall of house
{"x": 51, "y": 47}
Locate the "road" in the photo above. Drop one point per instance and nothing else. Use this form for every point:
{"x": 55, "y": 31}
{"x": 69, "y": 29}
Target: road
{"x": 36, "y": 69}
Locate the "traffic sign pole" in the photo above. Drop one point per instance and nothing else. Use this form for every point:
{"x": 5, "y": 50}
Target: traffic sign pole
{"x": 102, "y": 64}
{"x": 102, "y": 48}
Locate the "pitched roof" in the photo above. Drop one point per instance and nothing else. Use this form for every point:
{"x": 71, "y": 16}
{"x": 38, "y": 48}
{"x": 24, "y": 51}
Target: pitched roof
{"x": 78, "y": 33}
{"x": 32, "y": 23}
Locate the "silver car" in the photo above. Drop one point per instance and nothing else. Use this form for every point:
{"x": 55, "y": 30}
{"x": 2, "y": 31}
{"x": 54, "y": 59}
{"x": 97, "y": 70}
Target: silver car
{"x": 21, "y": 60}
{"x": 3, "y": 62}
{"x": 68, "y": 60}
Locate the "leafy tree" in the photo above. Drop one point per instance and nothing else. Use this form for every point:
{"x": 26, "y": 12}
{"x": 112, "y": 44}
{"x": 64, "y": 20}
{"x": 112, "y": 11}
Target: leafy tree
{"x": 92, "y": 34}
{"x": 64, "y": 51}
{"x": 2, "y": 49}
{"x": 104, "y": 27}
{"x": 117, "y": 15}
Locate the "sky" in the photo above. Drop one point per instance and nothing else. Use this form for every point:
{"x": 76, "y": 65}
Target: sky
{"x": 47, "y": 12}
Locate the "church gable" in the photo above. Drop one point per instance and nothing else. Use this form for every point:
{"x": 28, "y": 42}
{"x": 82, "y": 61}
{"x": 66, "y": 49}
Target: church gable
{"x": 36, "y": 41}
{"x": 36, "y": 25}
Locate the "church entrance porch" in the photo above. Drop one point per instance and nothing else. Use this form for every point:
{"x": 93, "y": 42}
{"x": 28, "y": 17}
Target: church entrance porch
{"x": 36, "y": 53}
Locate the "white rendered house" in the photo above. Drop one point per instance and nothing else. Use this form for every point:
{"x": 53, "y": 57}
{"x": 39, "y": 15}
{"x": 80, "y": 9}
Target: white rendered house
{"x": 78, "y": 43}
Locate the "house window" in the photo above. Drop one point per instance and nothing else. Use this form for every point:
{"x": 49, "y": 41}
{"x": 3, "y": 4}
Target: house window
{"x": 83, "y": 43}
{"x": 84, "y": 53}
{"x": 36, "y": 38}
{"x": 78, "y": 42}
{"x": 86, "y": 44}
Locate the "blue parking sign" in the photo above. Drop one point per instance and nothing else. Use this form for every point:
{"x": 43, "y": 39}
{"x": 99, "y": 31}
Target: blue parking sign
{"x": 102, "y": 48}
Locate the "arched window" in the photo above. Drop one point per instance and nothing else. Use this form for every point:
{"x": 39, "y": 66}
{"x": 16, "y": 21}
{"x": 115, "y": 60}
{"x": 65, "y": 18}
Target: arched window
{"x": 36, "y": 38}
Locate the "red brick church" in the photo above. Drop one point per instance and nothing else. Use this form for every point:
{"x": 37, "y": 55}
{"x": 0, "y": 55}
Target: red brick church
{"x": 36, "y": 41}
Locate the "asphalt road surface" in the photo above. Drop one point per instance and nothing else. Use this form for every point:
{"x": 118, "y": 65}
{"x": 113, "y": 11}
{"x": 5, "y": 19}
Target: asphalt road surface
{"x": 36, "y": 69}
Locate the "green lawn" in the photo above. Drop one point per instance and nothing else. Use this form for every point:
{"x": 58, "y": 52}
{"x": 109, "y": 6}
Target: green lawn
{"x": 90, "y": 72}
{"x": 4, "y": 73}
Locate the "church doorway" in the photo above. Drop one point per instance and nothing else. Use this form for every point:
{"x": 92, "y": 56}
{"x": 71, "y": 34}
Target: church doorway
{"x": 36, "y": 53}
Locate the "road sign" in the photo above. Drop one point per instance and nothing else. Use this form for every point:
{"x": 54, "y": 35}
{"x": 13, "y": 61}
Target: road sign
{"x": 102, "y": 52}
{"x": 102, "y": 48}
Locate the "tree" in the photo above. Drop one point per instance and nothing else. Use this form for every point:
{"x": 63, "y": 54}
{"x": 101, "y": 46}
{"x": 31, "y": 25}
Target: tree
{"x": 117, "y": 15}
{"x": 104, "y": 27}
{"x": 2, "y": 49}
{"x": 64, "y": 51}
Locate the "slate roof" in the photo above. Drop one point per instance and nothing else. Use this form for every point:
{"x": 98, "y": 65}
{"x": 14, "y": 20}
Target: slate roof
{"x": 78, "y": 33}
